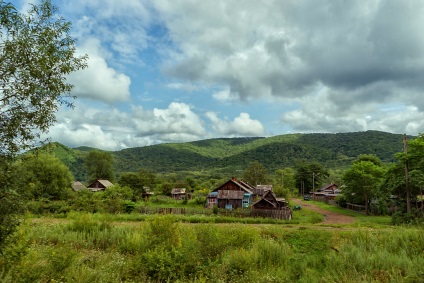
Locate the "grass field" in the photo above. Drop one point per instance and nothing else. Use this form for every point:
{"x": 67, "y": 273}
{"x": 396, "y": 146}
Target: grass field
{"x": 83, "y": 247}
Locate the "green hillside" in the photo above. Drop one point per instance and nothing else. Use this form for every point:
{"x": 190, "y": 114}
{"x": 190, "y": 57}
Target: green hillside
{"x": 73, "y": 158}
{"x": 234, "y": 154}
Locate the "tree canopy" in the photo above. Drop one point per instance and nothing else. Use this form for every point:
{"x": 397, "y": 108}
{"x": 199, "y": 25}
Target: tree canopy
{"x": 99, "y": 165}
{"x": 255, "y": 174}
{"x": 310, "y": 176}
{"x": 36, "y": 54}
{"x": 44, "y": 176}
{"x": 362, "y": 180}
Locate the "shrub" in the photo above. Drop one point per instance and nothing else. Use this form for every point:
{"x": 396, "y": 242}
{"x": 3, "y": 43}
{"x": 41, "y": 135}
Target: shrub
{"x": 86, "y": 223}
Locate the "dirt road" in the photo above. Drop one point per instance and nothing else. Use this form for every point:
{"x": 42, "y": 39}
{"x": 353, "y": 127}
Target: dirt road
{"x": 330, "y": 217}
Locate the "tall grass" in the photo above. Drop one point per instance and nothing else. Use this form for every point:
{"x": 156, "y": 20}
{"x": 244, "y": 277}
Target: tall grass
{"x": 91, "y": 248}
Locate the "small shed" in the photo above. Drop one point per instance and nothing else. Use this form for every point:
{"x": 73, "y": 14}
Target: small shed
{"x": 99, "y": 185}
{"x": 260, "y": 190}
{"x": 270, "y": 201}
{"x": 271, "y": 206}
{"x": 78, "y": 186}
{"x": 212, "y": 199}
{"x": 179, "y": 193}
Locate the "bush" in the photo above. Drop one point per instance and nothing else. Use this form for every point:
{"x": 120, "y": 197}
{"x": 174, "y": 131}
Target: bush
{"x": 341, "y": 200}
{"x": 86, "y": 223}
{"x": 416, "y": 217}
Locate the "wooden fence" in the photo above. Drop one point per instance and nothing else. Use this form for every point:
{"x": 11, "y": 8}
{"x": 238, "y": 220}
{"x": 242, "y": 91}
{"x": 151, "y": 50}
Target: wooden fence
{"x": 356, "y": 207}
{"x": 285, "y": 214}
{"x": 239, "y": 213}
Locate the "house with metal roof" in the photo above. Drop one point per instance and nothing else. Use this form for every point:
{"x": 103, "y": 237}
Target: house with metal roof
{"x": 231, "y": 195}
{"x": 99, "y": 185}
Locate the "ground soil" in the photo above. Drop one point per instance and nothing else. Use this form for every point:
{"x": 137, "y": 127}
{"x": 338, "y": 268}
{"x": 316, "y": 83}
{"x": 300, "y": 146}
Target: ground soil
{"x": 330, "y": 217}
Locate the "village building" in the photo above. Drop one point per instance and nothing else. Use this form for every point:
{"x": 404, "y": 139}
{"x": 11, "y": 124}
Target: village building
{"x": 326, "y": 193}
{"x": 270, "y": 201}
{"x": 231, "y": 195}
{"x": 179, "y": 193}
{"x": 99, "y": 185}
{"x": 78, "y": 186}
{"x": 271, "y": 206}
{"x": 260, "y": 190}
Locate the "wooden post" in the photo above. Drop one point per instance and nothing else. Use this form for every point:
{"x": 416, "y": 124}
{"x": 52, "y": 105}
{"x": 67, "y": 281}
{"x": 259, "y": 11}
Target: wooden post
{"x": 408, "y": 193}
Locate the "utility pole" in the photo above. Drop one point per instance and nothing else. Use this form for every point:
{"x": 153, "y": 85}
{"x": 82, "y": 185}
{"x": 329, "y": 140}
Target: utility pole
{"x": 313, "y": 181}
{"x": 408, "y": 193}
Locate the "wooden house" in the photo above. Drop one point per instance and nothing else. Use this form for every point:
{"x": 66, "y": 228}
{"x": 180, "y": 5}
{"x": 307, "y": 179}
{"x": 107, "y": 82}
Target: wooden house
{"x": 179, "y": 193}
{"x": 271, "y": 206}
{"x": 270, "y": 201}
{"x": 230, "y": 195}
{"x": 330, "y": 189}
{"x": 99, "y": 185}
{"x": 78, "y": 186}
{"x": 259, "y": 191}
{"x": 212, "y": 199}
{"x": 146, "y": 193}
{"x": 326, "y": 193}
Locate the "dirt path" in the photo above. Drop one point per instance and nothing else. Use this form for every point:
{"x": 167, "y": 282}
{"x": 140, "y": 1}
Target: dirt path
{"x": 330, "y": 217}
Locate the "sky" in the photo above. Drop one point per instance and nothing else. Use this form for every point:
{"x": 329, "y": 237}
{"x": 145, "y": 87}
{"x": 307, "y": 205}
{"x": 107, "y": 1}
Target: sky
{"x": 163, "y": 71}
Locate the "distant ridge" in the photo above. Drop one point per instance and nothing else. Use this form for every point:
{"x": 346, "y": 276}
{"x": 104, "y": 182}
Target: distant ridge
{"x": 227, "y": 155}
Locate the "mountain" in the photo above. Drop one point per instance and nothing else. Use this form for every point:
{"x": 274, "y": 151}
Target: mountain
{"x": 229, "y": 155}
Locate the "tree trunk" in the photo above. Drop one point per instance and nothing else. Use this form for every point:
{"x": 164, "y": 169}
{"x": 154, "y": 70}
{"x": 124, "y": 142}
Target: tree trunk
{"x": 366, "y": 205}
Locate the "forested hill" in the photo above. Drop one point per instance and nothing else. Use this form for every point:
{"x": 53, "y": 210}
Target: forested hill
{"x": 232, "y": 154}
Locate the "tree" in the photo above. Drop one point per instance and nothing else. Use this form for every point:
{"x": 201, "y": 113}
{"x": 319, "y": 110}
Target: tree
{"x": 138, "y": 181}
{"x": 99, "y": 165}
{"x": 362, "y": 181}
{"x": 284, "y": 181}
{"x": 255, "y": 174}
{"x": 44, "y": 176}
{"x": 309, "y": 176}
{"x": 36, "y": 54}
{"x": 406, "y": 177}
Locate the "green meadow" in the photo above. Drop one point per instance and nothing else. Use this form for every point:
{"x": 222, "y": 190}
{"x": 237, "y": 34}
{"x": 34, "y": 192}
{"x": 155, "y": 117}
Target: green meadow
{"x": 84, "y": 247}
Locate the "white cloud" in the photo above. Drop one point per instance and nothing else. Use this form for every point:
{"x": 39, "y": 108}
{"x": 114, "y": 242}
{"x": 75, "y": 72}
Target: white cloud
{"x": 242, "y": 125}
{"x": 183, "y": 86}
{"x": 225, "y": 96}
{"x": 99, "y": 81}
{"x": 120, "y": 24}
{"x": 319, "y": 113}
{"x": 109, "y": 128}
{"x": 365, "y": 53}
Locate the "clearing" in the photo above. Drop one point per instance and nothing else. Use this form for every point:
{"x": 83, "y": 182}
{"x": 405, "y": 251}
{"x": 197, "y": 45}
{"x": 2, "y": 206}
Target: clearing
{"x": 330, "y": 217}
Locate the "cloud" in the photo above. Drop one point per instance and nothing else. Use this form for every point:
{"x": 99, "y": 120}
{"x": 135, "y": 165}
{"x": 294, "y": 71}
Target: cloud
{"x": 177, "y": 121}
{"x": 225, "y": 96}
{"x": 319, "y": 113}
{"x": 108, "y": 128}
{"x": 366, "y": 54}
{"x": 242, "y": 125}
{"x": 99, "y": 81}
{"x": 183, "y": 86}
{"x": 120, "y": 24}
{"x": 281, "y": 48}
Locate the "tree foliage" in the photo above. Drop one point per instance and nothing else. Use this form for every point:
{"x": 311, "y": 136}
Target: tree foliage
{"x": 255, "y": 174}
{"x": 36, "y": 53}
{"x": 44, "y": 176}
{"x": 406, "y": 176}
{"x": 363, "y": 180}
{"x": 310, "y": 176}
{"x": 138, "y": 181}
{"x": 99, "y": 165}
